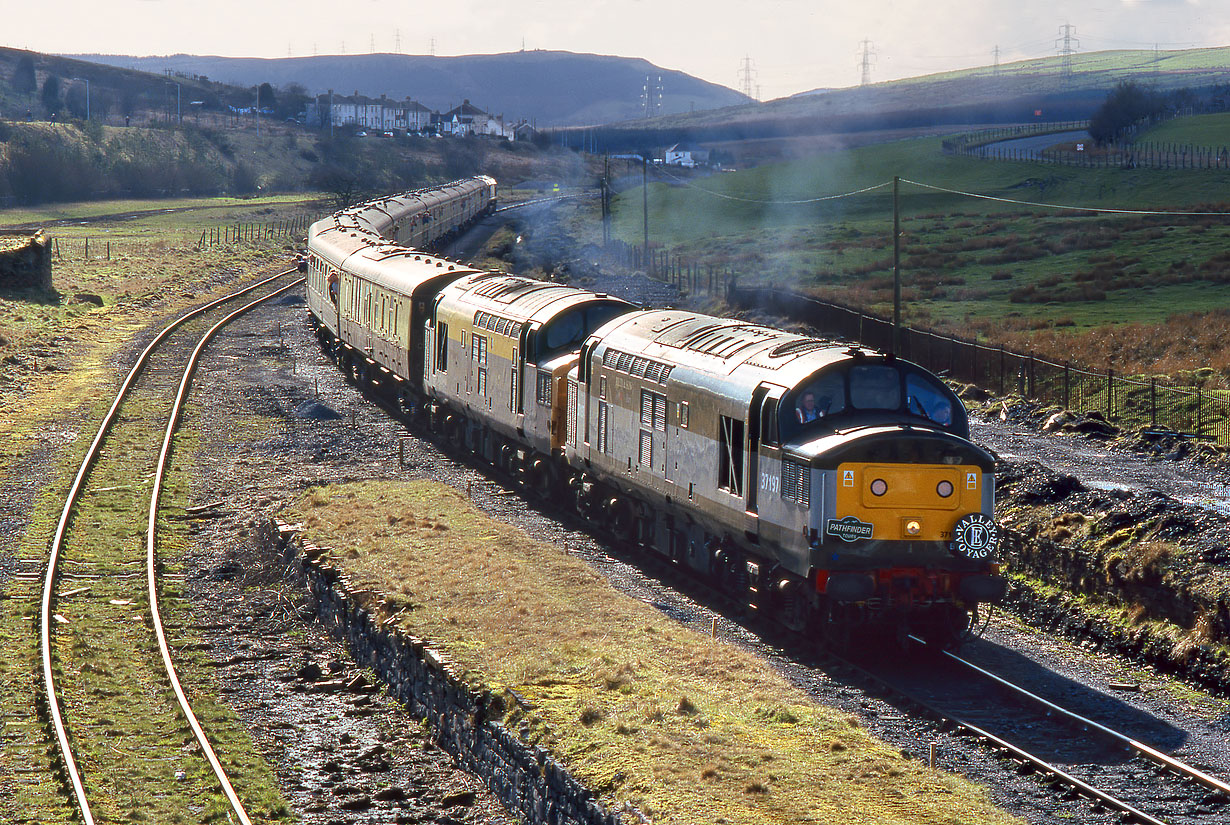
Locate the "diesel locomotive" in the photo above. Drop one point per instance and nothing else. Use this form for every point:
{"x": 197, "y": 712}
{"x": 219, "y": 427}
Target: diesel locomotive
{"x": 829, "y": 485}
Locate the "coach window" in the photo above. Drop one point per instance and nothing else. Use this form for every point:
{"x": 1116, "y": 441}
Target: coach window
{"x": 441, "y": 347}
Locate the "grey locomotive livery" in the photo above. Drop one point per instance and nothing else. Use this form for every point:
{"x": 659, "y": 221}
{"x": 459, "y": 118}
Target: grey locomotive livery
{"x": 830, "y": 485}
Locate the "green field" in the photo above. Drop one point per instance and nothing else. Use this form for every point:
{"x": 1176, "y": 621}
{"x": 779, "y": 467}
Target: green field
{"x": 1204, "y": 131}
{"x": 970, "y": 266}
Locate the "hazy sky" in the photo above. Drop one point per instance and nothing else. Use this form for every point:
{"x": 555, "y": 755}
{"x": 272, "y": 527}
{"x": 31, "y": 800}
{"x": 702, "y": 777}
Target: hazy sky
{"x": 794, "y": 45}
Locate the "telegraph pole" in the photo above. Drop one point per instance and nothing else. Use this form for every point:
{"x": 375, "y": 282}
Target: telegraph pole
{"x": 606, "y": 201}
{"x": 645, "y": 206}
{"x": 896, "y": 266}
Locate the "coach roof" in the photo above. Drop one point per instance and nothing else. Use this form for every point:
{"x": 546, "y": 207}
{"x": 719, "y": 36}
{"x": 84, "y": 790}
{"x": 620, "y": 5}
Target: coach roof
{"x": 520, "y": 298}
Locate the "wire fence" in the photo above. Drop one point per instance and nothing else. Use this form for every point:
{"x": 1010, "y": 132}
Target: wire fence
{"x": 1121, "y": 400}
{"x": 993, "y": 144}
{"x": 248, "y": 232}
{"x": 688, "y": 276}
{"x": 91, "y": 248}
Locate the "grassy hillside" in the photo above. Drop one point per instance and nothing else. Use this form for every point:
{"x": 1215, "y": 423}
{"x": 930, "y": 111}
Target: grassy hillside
{"x": 970, "y": 266}
{"x": 983, "y": 95}
{"x": 45, "y": 162}
{"x": 1205, "y": 131}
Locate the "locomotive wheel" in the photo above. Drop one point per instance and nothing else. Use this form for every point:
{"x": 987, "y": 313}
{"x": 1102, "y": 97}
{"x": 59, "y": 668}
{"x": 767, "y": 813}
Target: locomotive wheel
{"x": 621, "y": 519}
{"x": 793, "y": 607}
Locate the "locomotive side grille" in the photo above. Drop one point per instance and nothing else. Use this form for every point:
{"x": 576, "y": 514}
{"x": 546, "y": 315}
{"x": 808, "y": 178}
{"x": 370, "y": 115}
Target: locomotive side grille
{"x": 795, "y": 486}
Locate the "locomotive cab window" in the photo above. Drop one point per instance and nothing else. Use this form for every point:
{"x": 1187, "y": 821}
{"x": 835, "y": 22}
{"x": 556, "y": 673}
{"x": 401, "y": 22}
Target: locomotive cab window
{"x": 571, "y": 328}
{"x": 875, "y": 387}
{"x": 925, "y": 398}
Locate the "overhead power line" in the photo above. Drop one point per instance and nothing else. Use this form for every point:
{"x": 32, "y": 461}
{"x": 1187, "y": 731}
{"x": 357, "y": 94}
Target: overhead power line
{"x": 868, "y": 57}
{"x": 935, "y": 188}
{"x": 747, "y": 76}
{"x": 1067, "y": 49}
{"x": 1101, "y": 209}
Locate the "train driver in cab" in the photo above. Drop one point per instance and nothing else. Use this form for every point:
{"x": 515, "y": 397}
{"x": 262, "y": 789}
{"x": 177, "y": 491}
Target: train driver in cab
{"x": 808, "y": 409}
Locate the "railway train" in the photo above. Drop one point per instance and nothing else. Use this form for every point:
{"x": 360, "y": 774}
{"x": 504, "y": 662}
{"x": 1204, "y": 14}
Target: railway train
{"x": 832, "y": 486}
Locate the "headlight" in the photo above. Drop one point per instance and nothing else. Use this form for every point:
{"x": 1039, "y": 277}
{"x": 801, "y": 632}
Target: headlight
{"x": 944, "y": 489}
{"x": 879, "y": 487}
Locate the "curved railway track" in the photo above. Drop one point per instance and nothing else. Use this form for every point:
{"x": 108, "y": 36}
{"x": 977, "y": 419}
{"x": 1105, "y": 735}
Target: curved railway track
{"x": 80, "y": 528}
{"x": 1043, "y": 737}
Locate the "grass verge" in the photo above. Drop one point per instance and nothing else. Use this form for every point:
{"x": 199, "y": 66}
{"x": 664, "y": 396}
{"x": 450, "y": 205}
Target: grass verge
{"x": 687, "y": 728}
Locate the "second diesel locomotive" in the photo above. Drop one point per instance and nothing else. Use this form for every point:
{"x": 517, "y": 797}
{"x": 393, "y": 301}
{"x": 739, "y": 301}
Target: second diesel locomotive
{"x": 828, "y": 484}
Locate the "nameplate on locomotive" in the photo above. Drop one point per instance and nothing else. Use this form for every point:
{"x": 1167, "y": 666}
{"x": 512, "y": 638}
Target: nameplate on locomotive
{"x": 848, "y": 529}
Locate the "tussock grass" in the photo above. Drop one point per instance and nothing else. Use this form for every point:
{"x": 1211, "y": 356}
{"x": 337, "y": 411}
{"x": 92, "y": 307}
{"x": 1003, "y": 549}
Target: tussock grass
{"x": 688, "y": 728}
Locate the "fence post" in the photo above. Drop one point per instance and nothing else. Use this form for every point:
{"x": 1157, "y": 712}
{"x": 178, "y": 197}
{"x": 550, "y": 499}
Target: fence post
{"x": 1110, "y": 393}
{"x": 1001, "y": 369}
{"x": 1033, "y": 378}
{"x": 1199, "y": 412}
{"x": 1067, "y": 386}
{"x": 1153, "y": 402}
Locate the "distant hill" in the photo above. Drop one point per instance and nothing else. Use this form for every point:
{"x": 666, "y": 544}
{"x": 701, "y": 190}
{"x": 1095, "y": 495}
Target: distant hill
{"x": 1020, "y": 92}
{"x": 550, "y": 87}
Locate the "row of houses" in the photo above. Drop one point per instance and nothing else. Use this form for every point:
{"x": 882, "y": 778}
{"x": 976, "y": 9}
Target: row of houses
{"x": 385, "y": 115}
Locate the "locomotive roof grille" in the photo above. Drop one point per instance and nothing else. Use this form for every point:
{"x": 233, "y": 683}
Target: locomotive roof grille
{"x": 637, "y": 366}
{"x": 797, "y": 347}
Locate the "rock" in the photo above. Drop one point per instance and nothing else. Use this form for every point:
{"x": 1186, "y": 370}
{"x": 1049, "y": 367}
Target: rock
{"x": 313, "y": 410}
{"x": 88, "y": 298}
{"x": 1094, "y": 425}
{"x": 1057, "y": 421}
{"x": 393, "y": 793}
{"x": 310, "y": 672}
{"x": 460, "y": 798}
{"x": 359, "y": 803}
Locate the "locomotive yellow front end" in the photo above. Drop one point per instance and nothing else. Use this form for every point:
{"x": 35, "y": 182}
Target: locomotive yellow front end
{"x": 901, "y": 529}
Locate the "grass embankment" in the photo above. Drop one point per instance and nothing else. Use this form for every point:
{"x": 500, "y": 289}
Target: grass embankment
{"x": 59, "y": 370}
{"x": 1205, "y": 131}
{"x": 687, "y": 728}
{"x": 998, "y": 270}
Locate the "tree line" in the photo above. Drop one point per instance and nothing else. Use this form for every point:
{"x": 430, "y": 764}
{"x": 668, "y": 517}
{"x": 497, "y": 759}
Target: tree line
{"x": 1131, "y": 104}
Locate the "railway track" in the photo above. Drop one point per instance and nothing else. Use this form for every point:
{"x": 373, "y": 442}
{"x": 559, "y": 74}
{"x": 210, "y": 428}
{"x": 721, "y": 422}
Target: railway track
{"x": 125, "y": 731}
{"x": 1094, "y": 761}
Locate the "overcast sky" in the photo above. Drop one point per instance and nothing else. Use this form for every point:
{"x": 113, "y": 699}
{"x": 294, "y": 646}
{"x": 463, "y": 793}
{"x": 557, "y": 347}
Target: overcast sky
{"x": 794, "y": 45}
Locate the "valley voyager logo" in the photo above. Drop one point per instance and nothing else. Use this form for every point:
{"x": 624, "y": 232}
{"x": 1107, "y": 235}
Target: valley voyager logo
{"x": 848, "y": 529}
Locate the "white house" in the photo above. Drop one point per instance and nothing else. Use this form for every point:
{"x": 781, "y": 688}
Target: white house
{"x": 686, "y": 156}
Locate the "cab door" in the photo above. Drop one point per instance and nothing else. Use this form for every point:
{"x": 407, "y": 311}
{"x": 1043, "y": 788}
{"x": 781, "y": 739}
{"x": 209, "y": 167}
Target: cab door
{"x": 762, "y": 438}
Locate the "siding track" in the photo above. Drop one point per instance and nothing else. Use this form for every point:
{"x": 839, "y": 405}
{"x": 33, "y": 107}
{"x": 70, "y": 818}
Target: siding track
{"x": 109, "y": 759}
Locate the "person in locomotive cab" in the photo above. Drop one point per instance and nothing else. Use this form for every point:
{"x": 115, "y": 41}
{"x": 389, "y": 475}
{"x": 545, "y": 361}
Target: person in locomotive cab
{"x": 807, "y": 409}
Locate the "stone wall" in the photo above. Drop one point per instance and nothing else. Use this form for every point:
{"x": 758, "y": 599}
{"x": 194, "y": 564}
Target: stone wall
{"x": 25, "y": 260}
{"x": 466, "y": 723}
